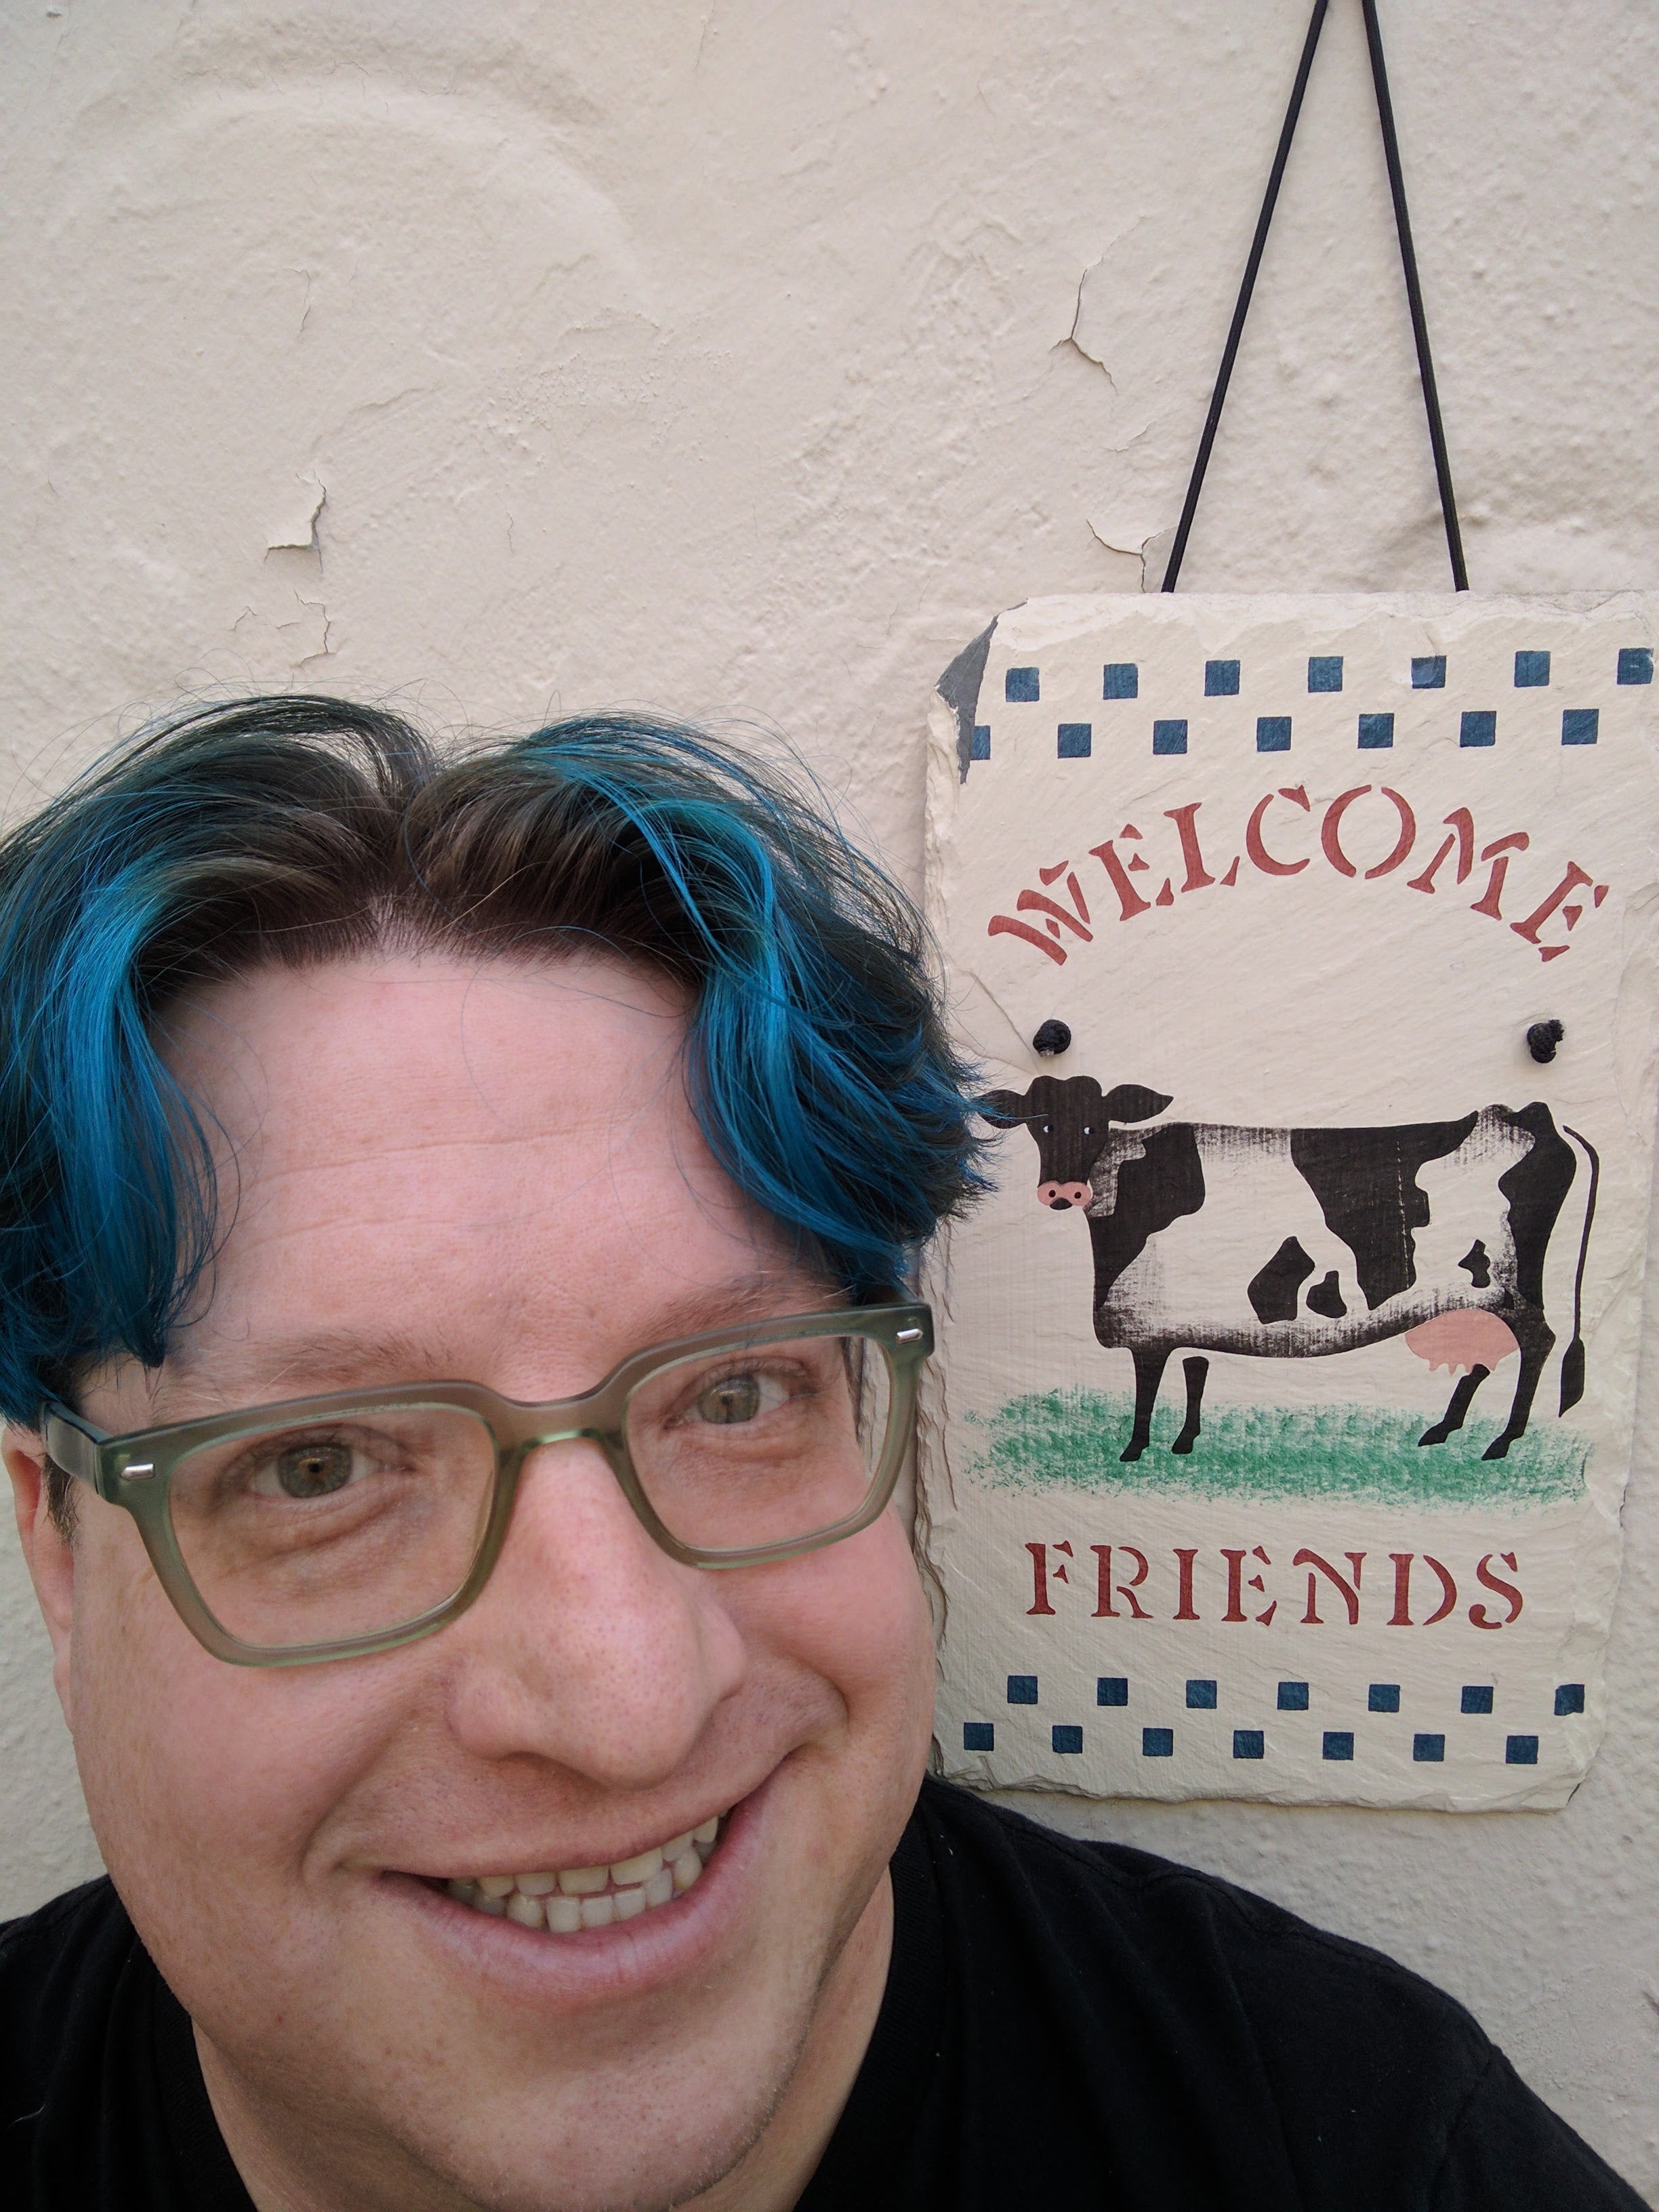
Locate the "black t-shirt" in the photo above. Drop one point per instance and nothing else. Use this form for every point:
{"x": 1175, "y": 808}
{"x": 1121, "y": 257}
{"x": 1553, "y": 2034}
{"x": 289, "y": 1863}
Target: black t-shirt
{"x": 1065, "y": 2024}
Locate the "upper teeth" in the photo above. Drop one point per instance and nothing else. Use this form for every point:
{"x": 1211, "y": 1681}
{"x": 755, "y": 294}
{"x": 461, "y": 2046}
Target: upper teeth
{"x": 595, "y": 1896}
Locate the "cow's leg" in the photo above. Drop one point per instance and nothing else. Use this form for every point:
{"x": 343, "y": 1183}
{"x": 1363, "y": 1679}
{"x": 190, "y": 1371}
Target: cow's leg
{"x": 1458, "y": 1410}
{"x": 1537, "y": 1341}
{"x": 1196, "y": 1370}
{"x": 1150, "y": 1363}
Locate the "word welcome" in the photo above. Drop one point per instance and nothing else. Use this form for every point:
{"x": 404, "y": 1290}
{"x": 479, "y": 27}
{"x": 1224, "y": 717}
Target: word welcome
{"x": 1273, "y": 835}
{"x": 1420, "y": 1592}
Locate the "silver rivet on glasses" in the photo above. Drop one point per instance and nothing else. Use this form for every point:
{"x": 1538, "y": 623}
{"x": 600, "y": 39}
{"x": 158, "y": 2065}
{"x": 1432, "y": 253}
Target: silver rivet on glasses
{"x": 909, "y": 1335}
{"x": 137, "y": 1471}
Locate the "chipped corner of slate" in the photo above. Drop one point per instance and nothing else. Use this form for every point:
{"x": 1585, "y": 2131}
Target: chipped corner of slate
{"x": 959, "y": 689}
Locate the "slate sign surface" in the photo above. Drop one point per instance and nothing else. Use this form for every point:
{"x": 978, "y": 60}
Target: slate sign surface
{"x": 1282, "y": 1411}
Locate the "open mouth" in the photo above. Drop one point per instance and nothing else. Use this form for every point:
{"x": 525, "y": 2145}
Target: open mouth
{"x": 574, "y": 1898}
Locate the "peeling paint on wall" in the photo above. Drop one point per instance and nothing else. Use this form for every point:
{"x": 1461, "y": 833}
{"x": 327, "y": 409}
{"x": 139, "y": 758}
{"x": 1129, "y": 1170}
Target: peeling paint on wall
{"x": 295, "y": 527}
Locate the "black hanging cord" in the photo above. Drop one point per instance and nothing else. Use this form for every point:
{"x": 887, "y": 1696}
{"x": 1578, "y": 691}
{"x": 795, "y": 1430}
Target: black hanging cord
{"x": 1228, "y": 353}
{"x": 1413, "y": 293}
{"x": 1402, "y": 223}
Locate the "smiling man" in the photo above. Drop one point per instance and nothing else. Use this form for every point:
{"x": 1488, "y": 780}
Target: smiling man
{"x": 455, "y": 1219}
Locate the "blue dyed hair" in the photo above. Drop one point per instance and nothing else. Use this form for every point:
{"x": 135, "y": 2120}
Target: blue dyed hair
{"x": 299, "y": 829}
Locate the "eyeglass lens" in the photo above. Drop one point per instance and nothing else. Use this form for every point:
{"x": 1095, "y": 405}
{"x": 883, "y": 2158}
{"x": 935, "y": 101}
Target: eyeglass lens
{"x": 334, "y": 1529}
{"x": 345, "y": 1527}
{"x": 743, "y": 1449}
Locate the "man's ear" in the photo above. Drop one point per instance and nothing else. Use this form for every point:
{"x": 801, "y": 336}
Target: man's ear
{"x": 1003, "y": 1109}
{"x": 47, "y": 1552}
{"x": 1132, "y": 1102}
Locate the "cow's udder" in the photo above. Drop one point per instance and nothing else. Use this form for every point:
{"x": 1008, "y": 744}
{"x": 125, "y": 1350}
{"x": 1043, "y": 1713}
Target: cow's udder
{"x": 1466, "y": 1337}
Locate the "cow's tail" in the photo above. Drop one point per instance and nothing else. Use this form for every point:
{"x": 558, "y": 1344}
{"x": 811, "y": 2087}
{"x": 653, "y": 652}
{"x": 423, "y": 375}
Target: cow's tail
{"x": 1572, "y": 1359}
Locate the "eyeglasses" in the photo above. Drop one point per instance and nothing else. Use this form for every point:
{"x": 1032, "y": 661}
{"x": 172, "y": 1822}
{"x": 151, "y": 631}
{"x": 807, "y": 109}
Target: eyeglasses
{"x": 329, "y": 1528}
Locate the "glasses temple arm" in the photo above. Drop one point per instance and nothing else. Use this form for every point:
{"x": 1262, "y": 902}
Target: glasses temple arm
{"x": 71, "y": 1445}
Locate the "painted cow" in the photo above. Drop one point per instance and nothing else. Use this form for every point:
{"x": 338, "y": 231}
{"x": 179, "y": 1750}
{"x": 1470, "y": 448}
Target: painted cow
{"x": 1296, "y": 1243}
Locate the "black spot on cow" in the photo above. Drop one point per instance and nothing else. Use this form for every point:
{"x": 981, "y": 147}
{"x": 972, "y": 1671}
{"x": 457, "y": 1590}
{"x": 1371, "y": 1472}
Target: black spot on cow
{"x": 1535, "y": 1187}
{"x": 1365, "y": 1182}
{"x": 1477, "y": 1265}
{"x": 1274, "y": 1290}
{"x": 1326, "y": 1298}
{"x": 1165, "y": 1182}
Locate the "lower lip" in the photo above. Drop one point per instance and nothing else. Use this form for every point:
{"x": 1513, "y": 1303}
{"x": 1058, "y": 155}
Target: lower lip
{"x": 629, "y": 1958}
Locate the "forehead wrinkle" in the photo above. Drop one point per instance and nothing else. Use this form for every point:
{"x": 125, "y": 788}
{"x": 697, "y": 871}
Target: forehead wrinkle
{"x": 320, "y": 1361}
{"x": 615, "y": 1124}
{"x": 537, "y": 1195}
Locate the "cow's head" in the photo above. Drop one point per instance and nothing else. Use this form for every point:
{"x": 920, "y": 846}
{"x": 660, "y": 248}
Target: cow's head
{"x": 1069, "y": 1115}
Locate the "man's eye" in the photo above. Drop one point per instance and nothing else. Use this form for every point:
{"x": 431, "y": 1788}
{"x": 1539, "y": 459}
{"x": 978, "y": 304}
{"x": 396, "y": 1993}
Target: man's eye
{"x": 736, "y": 1398}
{"x": 309, "y": 1470}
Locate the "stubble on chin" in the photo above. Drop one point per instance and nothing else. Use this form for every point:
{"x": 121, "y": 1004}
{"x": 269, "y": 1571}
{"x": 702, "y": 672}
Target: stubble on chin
{"x": 689, "y": 2144}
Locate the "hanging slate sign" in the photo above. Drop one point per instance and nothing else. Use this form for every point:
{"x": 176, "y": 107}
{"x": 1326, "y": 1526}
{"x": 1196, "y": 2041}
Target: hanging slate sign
{"x": 1284, "y": 1394}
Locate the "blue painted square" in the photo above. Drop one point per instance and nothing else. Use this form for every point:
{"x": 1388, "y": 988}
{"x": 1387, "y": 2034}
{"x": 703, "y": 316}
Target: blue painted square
{"x": 1477, "y": 1698}
{"x": 1066, "y": 1739}
{"x": 1076, "y": 740}
{"x": 1273, "y": 734}
{"x": 1169, "y": 737}
{"x": 1383, "y": 1697}
{"x": 1521, "y": 1751}
{"x": 1022, "y": 1689}
{"x": 1532, "y": 671}
{"x": 1157, "y": 1743}
{"x": 1120, "y": 679}
{"x": 979, "y": 1735}
{"x": 1292, "y": 1697}
{"x": 1338, "y": 1743}
{"x": 982, "y": 745}
{"x": 1569, "y": 1698}
{"x": 1375, "y": 733}
{"x": 1429, "y": 1750}
{"x": 1221, "y": 679}
{"x": 1324, "y": 671}
{"x": 1200, "y": 1696}
{"x": 1479, "y": 727}
{"x": 1020, "y": 686}
{"x": 1580, "y": 726}
{"x": 1112, "y": 1690}
{"x": 1636, "y": 664}
{"x": 1249, "y": 1743}
{"x": 1428, "y": 671}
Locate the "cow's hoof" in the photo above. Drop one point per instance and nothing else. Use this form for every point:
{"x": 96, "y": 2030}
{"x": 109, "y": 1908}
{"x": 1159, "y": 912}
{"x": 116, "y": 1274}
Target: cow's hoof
{"x": 1436, "y": 1435}
{"x": 1498, "y": 1449}
{"x": 1183, "y": 1445}
{"x": 1131, "y": 1451}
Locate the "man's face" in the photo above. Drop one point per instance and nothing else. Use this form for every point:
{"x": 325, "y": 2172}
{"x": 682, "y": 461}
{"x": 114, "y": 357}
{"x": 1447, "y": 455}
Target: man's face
{"x": 490, "y": 1174}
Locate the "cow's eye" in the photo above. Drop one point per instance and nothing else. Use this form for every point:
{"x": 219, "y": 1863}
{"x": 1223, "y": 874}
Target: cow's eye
{"x": 1086, "y": 1130}
{"x": 1045, "y": 1128}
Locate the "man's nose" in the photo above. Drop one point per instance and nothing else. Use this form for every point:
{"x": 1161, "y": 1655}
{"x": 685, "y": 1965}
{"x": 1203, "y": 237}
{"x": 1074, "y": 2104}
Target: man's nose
{"x": 589, "y": 1645}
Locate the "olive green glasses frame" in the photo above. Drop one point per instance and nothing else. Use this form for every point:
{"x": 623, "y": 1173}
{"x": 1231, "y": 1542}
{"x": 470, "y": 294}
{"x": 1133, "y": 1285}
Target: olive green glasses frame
{"x": 736, "y": 1447}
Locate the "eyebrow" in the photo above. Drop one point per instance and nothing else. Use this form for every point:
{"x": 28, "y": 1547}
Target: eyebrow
{"x": 322, "y": 1362}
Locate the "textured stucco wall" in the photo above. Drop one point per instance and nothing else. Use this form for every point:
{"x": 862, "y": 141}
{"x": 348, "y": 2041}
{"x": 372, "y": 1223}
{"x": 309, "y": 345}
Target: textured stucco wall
{"x": 741, "y": 358}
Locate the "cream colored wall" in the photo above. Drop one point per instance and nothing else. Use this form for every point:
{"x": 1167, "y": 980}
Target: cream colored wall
{"x": 742, "y": 359}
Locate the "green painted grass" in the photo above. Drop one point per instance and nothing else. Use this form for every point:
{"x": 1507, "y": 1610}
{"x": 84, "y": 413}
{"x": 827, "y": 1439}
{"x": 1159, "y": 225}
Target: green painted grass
{"x": 1366, "y": 1455}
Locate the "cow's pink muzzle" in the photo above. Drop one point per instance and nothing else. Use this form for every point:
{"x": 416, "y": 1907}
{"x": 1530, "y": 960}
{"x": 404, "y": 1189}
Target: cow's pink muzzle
{"x": 1059, "y": 1195}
